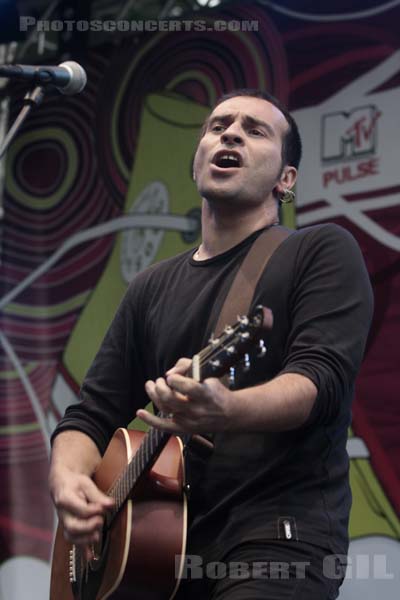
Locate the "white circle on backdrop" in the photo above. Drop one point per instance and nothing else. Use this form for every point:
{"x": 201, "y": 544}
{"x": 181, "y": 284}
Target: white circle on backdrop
{"x": 23, "y": 577}
{"x": 140, "y": 246}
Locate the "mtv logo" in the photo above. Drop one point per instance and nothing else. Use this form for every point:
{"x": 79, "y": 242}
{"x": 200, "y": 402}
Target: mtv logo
{"x": 355, "y": 161}
{"x": 349, "y": 134}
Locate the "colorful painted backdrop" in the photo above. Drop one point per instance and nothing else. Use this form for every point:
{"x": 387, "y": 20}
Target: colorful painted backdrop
{"x": 98, "y": 186}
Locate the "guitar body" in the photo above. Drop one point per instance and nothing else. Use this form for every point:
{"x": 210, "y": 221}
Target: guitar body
{"x": 141, "y": 555}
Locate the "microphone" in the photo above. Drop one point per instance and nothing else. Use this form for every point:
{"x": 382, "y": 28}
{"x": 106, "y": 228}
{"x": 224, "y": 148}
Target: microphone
{"x": 69, "y": 77}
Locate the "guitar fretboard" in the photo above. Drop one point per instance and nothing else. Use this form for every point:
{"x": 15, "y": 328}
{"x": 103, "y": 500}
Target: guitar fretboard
{"x": 151, "y": 446}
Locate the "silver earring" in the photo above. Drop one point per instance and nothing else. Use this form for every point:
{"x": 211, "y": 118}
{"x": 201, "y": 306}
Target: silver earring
{"x": 287, "y": 196}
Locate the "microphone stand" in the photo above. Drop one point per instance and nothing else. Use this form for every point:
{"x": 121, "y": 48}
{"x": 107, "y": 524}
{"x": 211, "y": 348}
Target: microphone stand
{"x": 32, "y": 98}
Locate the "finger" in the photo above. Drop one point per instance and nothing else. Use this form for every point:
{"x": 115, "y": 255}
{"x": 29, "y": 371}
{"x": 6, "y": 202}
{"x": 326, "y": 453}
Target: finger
{"x": 167, "y": 425}
{"x": 84, "y": 501}
{"x": 165, "y": 399}
{"x": 214, "y": 384}
{"x": 76, "y": 504}
{"x": 157, "y": 389}
{"x": 182, "y": 366}
{"x": 84, "y": 539}
{"x": 162, "y": 389}
{"x": 185, "y": 386}
{"x": 78, "y": 529}
{"x": 95, "y": 496}
{"x": 150, "y": 387}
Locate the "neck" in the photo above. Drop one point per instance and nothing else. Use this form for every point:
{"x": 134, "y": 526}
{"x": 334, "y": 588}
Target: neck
{"x": 224, "y": 228}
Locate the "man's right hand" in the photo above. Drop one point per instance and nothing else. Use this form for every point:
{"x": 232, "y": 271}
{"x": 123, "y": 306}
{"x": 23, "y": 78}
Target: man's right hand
{"x": 80, "y": 505}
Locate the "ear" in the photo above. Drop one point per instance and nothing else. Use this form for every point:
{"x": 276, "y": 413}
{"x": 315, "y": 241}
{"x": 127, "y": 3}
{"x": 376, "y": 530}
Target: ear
{"x": 286, "y": 180}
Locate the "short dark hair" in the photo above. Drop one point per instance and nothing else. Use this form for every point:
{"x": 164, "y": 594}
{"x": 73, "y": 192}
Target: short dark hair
{"x": 291, "y": 144}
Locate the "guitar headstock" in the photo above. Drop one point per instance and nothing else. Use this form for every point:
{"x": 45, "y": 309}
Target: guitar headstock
{"x": 232, "y": 346}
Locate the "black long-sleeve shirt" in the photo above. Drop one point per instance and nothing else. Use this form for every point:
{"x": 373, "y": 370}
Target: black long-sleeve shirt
{"x": 318, "y": 288}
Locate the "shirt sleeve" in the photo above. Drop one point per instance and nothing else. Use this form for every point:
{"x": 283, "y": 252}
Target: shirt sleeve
{"x": 331, "y": 309}
{"x": 113, "y": 388}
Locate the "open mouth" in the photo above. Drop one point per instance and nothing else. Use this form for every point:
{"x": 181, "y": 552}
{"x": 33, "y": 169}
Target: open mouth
{"x": 226, "y": 159}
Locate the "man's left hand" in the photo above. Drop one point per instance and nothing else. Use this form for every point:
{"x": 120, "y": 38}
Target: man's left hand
{"x": 192, "y": 407}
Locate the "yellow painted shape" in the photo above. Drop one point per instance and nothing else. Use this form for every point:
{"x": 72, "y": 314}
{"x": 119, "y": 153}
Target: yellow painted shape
{"x": 167, "y": 140}
{"x": 372, "y": 512}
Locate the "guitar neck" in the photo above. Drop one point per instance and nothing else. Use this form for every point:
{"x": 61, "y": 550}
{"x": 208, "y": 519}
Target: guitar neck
{"x": 145, "y": 457}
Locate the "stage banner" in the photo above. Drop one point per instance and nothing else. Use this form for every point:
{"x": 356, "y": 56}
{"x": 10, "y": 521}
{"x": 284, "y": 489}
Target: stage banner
{"x": 98, "y": 186}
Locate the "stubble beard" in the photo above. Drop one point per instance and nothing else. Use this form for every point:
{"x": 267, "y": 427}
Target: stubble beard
{"x": 235, "y": 199}
{"x": 228, "y": 199}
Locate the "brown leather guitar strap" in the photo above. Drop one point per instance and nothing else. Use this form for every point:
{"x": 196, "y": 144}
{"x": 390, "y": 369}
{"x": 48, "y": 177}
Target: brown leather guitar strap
{"x": 239, "y": 297}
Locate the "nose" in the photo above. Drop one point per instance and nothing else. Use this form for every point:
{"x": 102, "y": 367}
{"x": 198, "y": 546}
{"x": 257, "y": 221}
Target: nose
{"x": 232, "y": 135}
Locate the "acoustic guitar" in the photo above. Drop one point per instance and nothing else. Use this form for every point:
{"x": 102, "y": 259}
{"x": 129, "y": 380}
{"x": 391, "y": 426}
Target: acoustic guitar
{"x": 142, "y": 549}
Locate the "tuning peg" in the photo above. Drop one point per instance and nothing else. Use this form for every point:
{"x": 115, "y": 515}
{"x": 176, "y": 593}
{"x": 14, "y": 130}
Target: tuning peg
{"x": 244, "y": 336}
{"x": 243, "y": 320}
{"x": 213, "y": 340}
{"x": 228, "y": 329}
{"x": 232, "y": 374}
{"x": 215, "y": 364}
{"x": 261, "y": 349}
{"x": 246, "y": 363}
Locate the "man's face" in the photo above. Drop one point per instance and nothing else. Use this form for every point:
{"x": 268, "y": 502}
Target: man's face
{"x": 239, "y": 157}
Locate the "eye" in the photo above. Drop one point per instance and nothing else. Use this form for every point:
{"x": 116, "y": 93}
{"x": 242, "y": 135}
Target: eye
{"x": 217, "y": 127}
{"x": 256, "y": 132}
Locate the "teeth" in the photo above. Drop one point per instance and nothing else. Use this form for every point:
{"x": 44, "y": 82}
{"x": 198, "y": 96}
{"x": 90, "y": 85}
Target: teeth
{"x": 223, "y": 159}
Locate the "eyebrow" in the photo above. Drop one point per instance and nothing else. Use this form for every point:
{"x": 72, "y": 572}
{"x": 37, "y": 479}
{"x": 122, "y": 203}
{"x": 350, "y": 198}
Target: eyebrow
{"x": 229, "y": 117}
